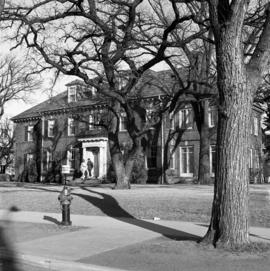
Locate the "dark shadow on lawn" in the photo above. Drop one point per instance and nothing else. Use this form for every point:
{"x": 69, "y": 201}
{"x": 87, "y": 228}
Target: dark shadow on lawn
{"x": 109, "y": 206}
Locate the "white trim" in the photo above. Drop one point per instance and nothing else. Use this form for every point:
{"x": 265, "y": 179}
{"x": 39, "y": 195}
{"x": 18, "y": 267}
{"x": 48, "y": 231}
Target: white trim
{"x": 70, "y": 120}
{"x": 256, "y": 126}
{"x": 51, "y": 122}
{"x": 211, "y": 117}
{"x": 30, "y": 131}
{"x": 102, "y": 144}
{"x": 212, "y": 170}
{"x": 72, "y": 91}
{"x": 172, "y": 160}
{"x": 121, "y": 121}
{"x": 172, "y": 120}
{"x": 187, "y": 125}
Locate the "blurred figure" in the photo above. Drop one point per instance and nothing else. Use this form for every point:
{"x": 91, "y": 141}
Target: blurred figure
{"x": 8, "y": 261}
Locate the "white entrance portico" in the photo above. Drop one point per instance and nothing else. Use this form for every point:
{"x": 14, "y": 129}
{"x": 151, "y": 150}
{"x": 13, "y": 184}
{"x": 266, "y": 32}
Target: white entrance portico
{"x": 96, "y": 149}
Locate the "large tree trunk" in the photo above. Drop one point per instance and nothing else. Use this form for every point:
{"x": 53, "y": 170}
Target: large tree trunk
{"x": 229, "y": 221}
{"x": 204, "y": 161}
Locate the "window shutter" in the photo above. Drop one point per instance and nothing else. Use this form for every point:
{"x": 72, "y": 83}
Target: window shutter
{"x": 25, "y": 159}
{"x": 55, "y": 127}
{"x": 26, "y": 133}
{"x": 44, "y": 160}
{"x": 46, "y": 128}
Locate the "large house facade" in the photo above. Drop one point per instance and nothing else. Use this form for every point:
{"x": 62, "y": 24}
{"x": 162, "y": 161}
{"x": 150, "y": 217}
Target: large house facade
{"x": 51, "y": 134}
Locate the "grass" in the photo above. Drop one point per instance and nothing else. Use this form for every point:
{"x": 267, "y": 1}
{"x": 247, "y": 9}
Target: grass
{"x": 178, "y": 202}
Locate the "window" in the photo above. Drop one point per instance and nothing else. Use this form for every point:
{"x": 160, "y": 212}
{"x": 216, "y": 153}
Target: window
{"x": 152, "y": 156}
{"x": 212, "y": 159}
{"x": 71, "y": 158}
{"x": 256, "y": 126}
{"x": 172, "y": 158}
{"x": 48, "y": 160}
{"x": 250, "y": 158}
{"x": 29, "y": 133}
{"x": 91, "y": 122}
{"x": 172, "y": 120}
{"x": 51, "y": 125}
{"x": 186, "y": 118}
{"x": 186, "y": 161}
{"x": 256, "y": 159}
{"x": 123, "y": 122}
{"x": 71, "y": 127}
{"x": 72, "y": 94}
{"x": 29, "y": 157}
{"x": 94, "y": 120}
{"x": 212, "y": 113}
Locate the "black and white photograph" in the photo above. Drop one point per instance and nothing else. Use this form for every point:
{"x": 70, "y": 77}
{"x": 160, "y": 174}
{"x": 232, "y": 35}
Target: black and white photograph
{"x": 134, "y": 135}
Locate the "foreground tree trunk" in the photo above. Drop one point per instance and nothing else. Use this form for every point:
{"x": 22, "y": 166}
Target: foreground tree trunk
{"x": 229, "y": 221}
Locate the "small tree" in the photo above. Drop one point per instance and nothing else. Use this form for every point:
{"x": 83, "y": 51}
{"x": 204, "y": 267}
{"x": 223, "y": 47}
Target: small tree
{"x": 6, "y": 143}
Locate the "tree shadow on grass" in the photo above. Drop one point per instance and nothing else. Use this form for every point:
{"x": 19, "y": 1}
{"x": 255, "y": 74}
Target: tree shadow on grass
{"x": 110, "y": 206}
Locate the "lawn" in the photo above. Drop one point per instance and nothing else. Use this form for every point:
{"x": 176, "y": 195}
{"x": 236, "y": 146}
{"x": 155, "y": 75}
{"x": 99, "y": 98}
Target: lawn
{"x": 177, "y": 202}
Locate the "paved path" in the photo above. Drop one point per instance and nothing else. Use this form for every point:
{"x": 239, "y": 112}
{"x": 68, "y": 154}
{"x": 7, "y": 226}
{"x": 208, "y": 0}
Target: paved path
{"x": 65, "y": 250}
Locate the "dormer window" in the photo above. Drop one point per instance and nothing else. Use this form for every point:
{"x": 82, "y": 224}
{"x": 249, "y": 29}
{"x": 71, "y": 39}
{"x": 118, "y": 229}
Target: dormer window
{"x": 72, "y": 94}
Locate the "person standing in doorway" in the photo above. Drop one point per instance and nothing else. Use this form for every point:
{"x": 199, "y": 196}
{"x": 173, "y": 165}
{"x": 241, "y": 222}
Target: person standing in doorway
{"x": 89, "y": 167}
{"x": 83, "y": 169}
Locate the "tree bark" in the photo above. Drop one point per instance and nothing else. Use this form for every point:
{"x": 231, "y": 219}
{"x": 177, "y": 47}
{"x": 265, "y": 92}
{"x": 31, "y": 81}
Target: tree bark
{"x": 204, "y": 161}
{"x": 229, "y": 221}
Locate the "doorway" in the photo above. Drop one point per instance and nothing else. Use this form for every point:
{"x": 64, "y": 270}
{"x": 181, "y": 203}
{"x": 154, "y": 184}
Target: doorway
{"x": 92, "y": 153}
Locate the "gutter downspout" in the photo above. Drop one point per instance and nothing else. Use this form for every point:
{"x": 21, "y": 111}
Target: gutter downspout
{"x": 42, "y": 143}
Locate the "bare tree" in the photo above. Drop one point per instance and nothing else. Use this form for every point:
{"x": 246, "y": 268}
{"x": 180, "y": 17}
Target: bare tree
{"x": 98, "y": 39}
{"x": 15, "y": 81}
{"x": 6, "y": 143}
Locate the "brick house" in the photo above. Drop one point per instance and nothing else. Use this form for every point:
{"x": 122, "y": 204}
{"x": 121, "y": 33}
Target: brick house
{"x": 48, "y": 136}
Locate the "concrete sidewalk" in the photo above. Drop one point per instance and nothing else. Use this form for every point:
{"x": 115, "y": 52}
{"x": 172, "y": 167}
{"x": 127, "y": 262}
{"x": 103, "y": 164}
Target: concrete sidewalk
{"x": 65, "y": 250}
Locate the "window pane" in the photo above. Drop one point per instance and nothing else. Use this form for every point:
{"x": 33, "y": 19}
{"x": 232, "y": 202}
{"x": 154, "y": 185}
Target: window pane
{"x": 187, "y": 160}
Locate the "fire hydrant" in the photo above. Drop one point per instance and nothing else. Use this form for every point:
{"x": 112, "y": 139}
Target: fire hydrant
{"x": 65, "y": 199}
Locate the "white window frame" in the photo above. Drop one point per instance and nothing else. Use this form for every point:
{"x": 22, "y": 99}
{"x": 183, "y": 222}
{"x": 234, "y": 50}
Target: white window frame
{"x": 172, "y": 121}
{"x": 48, "y": 159}
{"x": 71, "y": 123}
{"x": 212, "y": 170}
{"x": 183, "y": 125}
{"x": 256, "y": 126}
{"x": 72, "y": 92}
{"x": 186, "y": 174}
{"x": 211, "y": 116}
{"x": 123, "y": 115}
{"x": 173, "y": 159}
{"x": 29, "y": 156}
{"x": 91, "y": 121}
{"x": 70, "y": 157}
{"x": 51, "y": 124}
{"x": 30, "y": 131}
